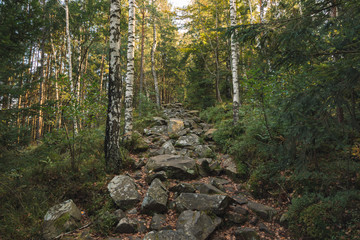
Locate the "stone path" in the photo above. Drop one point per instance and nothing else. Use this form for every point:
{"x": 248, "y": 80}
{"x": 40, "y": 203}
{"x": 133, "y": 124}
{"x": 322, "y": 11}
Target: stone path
{"x": 182, "y": 189}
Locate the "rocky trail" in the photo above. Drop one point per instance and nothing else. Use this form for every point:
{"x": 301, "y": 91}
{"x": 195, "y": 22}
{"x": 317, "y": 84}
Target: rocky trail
{"x": 181, "y": 189}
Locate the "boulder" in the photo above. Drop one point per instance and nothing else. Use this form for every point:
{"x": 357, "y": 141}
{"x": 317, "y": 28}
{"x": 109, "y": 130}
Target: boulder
{"x": 188, "y": 141}
{"x": 156, "y": 130}
{"x": 263, "y": 211}
{"x": 208, "y": 189}
{"x": 240, "y": 199}
{"x": 183, "y": 188}
{"x": 197, "y": 224}
{"x": 237, "y": 214}
{"x": 127, "y": 225}
{"x": 159, "y": 121}
{"x": 168, "y": 235}
{"x": 167, "y": 148}
{"x": 160, "y": 175}
{"x": 61, "y": 218}
{"x": 155, "y": 200}
{"x": 229, "y": 167}
{"x": 175, "y": 126}
{"x": 202, "y": 202}
{"x": 179, "y": 167}
{"x": 203, "y": 151}
{"x": 157, "y": 222}
{"x": 123, "y": 191}
{"x": 246, "y": 234}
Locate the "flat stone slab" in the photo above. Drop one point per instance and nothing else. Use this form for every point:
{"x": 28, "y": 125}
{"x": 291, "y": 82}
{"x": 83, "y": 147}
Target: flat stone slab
{"x": 176, "y": 166}
{"x": 263, "y": 211}
{"x": 202, "y": 202}
{"x": 168, "y": 235}
{"x": 175, "y": 126}
{"x": 198, "y": 224}
{"x": 123, "y": 191}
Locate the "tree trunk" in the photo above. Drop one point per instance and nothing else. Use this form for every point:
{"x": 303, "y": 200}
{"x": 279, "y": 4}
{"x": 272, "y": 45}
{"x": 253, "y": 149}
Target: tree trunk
{"x": 129, "y": 81}
{"x": 218, "y": 95}
{"x": 113, "y": 159}
{"x": 68, "y": 39}
{"x": 142, "y": 56}
{"x": 153, "y": 49}
{"x": 234, "y": 64}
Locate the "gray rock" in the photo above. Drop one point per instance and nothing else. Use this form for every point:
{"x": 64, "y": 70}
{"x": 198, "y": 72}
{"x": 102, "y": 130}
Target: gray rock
{"x": 175, "y": 166}
{"x": 159, "y": 121}
{"x": 155, "y": 200}
{"x": 175, "y": 126}
{"x": 119, "y": 214}
{"x": 188, "y": 141}
{"x": 197, "y": 224}
{"x": 168, "y": 235}
{"x": 264, "y": 228}
{"x": 127, "y": 225}
{"x": 183, "y": 132}
{"x": 183, "y": 188}
{"x": 160, "y": 175}
{"x": 218, "y": 183}
{"x": 197, "y": 131}
{"x": 157, "y": 222}
{"x": 203, "y": 151}
{"x": 156, "y": 130}
{"x": 263, "y": 211}
{"x": 237, "y": 214}
{"x": 123, "y": 191}
{"x": 240, "y": 199}
{"x": 246, "y": 234}
{"x": 229, "y": 167}
{"x": 202, "y": 202}
{"x": 167, "y": 148}
{"x": 132, "y": 211}
{"x": 61, "y": 218}
{"x": 208, "y": 189}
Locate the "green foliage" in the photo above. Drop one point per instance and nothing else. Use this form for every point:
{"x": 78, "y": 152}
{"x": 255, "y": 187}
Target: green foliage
{"x": 104, "y": 222}
{"x": 320, "y": 217}
{"x": 38, "y": 177}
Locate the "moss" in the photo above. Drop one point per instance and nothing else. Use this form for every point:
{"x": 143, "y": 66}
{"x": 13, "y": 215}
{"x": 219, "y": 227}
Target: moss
{"x": 62, "y": 220}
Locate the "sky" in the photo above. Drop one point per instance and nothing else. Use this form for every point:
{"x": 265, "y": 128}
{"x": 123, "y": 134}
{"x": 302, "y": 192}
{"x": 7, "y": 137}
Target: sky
{"x": 179, "y": 3}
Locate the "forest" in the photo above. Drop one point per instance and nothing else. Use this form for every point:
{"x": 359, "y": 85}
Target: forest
{"x": 117, "y": 116}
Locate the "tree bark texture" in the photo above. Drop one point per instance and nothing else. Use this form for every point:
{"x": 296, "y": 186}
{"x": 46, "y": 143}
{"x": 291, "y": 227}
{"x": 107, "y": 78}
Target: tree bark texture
{"x": 153, "y": 70}
{"x": 112, "y": 136}
{"x": 234, "y": 63}
{"x": 129, "y": 81}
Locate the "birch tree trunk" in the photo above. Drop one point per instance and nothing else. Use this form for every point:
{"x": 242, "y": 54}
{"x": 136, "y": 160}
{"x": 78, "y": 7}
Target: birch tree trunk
{"x": 69, "y": 54}
{"x": 234, "y": 64}
{"x": 130, "y": 70}
{"x": 142, "y": 54}
{"x": 153, "y": 49}
{"x": 112, "y": 136}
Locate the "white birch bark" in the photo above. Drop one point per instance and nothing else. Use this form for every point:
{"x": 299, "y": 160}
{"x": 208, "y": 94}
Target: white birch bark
{"x": 69, "y": 54}
{"x": 130, "y": 69}
{"x": 112, "y": 136}
{"x": 234, "y": 64}
{"x": 153, "y": 49}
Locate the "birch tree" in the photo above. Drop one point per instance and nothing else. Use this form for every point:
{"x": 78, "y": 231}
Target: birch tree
{"x": 234, "y": 63}
{"x": 112, "y": 137}
{"x": 130, "y": 69}
{"x": 153, "y": 49}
